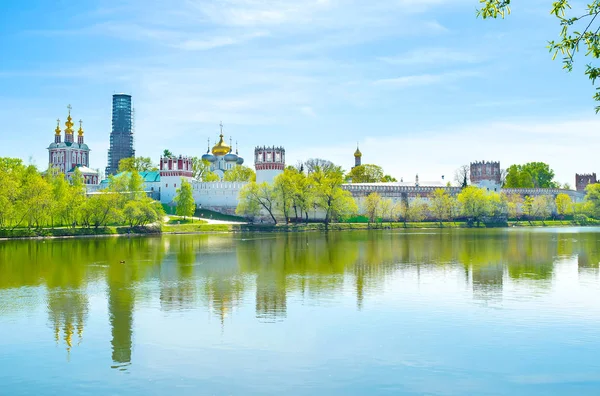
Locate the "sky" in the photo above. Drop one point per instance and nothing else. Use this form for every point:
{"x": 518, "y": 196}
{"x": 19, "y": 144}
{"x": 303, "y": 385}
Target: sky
{"x": 423, "y": 86}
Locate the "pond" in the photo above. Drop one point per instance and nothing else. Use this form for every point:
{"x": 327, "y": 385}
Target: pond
{"x": 509, "y": 311}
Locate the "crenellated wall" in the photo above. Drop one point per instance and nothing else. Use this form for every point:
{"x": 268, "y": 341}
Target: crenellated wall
{"x": 219, "y": 196}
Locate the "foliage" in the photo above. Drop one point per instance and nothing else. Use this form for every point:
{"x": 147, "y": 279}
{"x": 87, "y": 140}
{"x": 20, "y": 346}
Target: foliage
{"x": 592, "y": 199}
{"x": 564, "y": 204}
{"x": 202, "y": 172}
{"x": 514, "y": 206}
{"x": 329, "y": 195}
{"x": 37, "y": 201}
{"x": 576, "y": 30}
{"x": 366, "y": 173}
{"x": 312, "y": 164}
{"x": 139, "y": 164}
{"x": 184, "y": 199}
{"x": 240, "y": 173}
{"x": 441, "y": 205}
{"x": 474, "y": 203}
{"x": 285, "y": 190}
{"x": 167, "y": 153}
{"x": 373, "y": 206}
{"x": 254, "y": 197}
{"x": 530, "y": 175}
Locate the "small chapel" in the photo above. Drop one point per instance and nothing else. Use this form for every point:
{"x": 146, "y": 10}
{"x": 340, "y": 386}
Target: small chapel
{"x": 68, "y": 155}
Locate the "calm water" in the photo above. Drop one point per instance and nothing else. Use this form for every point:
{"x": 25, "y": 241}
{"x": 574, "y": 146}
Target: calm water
{"x": 428, "y": 312}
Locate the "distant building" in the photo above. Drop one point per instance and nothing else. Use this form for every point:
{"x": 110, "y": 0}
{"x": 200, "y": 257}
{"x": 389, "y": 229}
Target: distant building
{"x": 69, "y": 155}
{"x": 357, "y": 157}
{"x": 583, "y": 180}
{"x": 486, "y": 175}
{"x": 121, "y": 136}
{"x": 222, "y": 158}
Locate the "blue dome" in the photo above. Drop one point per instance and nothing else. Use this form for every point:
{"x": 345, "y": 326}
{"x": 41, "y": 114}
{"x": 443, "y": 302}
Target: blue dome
{"x": 240, "y": 161}
{"x": 231, "y": 157}
{"x": 53, "y": 145}
{"x": 209, "y": 157}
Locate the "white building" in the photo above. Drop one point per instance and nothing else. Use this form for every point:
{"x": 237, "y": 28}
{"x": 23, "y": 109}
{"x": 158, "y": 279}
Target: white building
{"x": 222, "y": 157}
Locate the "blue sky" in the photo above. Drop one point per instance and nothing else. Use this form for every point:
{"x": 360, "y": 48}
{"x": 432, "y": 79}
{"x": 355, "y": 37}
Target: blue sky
{"x": 422, "y": 85}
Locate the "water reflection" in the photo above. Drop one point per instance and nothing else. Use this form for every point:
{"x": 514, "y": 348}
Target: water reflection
{"x": 219, "y": 273}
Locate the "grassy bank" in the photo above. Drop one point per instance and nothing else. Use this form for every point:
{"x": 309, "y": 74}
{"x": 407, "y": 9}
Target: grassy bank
{"x": 178, "y": 226}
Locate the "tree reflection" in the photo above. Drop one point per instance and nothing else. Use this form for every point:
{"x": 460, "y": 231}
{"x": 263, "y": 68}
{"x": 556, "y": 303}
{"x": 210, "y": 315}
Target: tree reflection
{"x": 217, "y": 273}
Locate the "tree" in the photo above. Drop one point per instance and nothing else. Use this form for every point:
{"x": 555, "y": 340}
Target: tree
{"x": 592, "y": 198}
{"x": 142, "y": 212}
{"x": 184, "y": 199}
{"x": 388, "y": 179}
{"x": 474, "y": 203}
{"x": 373, "y": 206}
{"x": 530, "y": 175}
{"x": 514, "y": 206}
{"x": 564, "y": 204}
{"x": 441, "y": 205}
{"x": 202, "y": 172}
{"x": 461, "y": 176}
{"x": 284, "y": 189}
{"x": 417, "y": 210}
{"x": 167, "y": 153}
{"x": 366, "y": 173}
{"x": 329, "y": 194}
{"x": 254, "y": 197}
{"x": 139, "y": 164}
{"x": 528, "y": 208}
{"x": 543, "y": 206}
{"x": 387, "y": 209}
{"x": 240, "y": 173}
{"x": 575, "y": 31}
{"x": 313, "y": 164}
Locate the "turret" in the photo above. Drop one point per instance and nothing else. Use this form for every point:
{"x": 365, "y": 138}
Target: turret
{"x": 69, "y": 128}
{"x": 80, "y": 133}
{"x": 357, "y": 156}
{"x": 57, "y": 132}
{"x": 268, "y": 162}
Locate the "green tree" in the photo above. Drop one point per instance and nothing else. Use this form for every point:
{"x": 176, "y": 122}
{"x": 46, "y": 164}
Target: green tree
{"x": 474, "y": 203}
{"x": 417, "y": 211}
{"x": 139, "y": 164}
{"x": 564, "y": 204}
{"x": 240, "y": 173}
{"x": 329, "y": 195}
{"x": 576, "y": 31}
{"x": 373, "y": 206}
{"x": 255, "y": 197}
{"x": 592, "y": 198}
{"x": 532, "y": 174}
{"x": 543, "y": 206}
{"x": 167, "y": 153}
{"x": 285, "y": 189}
{"x": 514, "y": 206}
{"x": 202, "y": 172}
{"x": 366, "y": 173}
{"x": 388, "y": 179}
{"x": 441, "y": 205}
{"x": 528, "y": 207}
{"x": 184, "y": 199}
{"x": 143, "y": 212}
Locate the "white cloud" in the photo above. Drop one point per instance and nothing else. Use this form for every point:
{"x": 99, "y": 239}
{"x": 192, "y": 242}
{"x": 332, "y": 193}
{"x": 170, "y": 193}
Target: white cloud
{"x": 425, "y": 79}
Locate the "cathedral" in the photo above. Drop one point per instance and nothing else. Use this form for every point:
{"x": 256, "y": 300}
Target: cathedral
{"x": 222, "y": 158}
{"x": 67, "y": 155}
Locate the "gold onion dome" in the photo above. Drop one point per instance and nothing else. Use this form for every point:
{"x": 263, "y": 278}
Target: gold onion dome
{"x": 57, "y": 130}
{"x": 357, "y": 153}
{"x": 221, "y": 148}
{"x": 80, "y": 131}
{"x": 69, "y": 123}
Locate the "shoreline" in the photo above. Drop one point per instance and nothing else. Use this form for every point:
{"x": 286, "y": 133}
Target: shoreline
{"x": 202, "y": 228}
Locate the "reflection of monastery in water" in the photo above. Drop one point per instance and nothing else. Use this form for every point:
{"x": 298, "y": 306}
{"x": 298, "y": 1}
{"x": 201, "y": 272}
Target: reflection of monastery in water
{"x": 271, "y": 276}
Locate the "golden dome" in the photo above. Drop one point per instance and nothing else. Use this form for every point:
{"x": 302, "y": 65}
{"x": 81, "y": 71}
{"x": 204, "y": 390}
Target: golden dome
{"x": 221, "y": 148}
{"x": 357, "y": 153}
{"x": 57, "y": 130}
{"x": 80, "y": 131}
{"x": 69, "y": 123}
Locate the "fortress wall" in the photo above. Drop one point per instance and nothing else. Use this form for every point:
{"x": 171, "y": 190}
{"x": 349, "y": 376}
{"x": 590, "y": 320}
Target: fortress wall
{"x": 218, "y": 196}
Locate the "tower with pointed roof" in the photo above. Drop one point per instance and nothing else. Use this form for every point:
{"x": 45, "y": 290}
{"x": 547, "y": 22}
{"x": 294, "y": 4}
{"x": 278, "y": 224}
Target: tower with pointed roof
{"x": 357, "y": 157}
{"x": 221, "y": 157}
{"x": 69, "y": 155}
